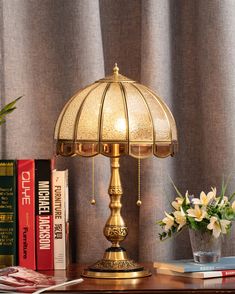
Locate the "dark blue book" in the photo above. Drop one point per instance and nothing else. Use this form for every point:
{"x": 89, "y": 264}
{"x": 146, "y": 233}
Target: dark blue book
{"x": 188, "y": 265}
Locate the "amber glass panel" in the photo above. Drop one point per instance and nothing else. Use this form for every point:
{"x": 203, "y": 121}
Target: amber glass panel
{"x": 107, "y": 149}
{"x": 163, "y": 149}
{"x": 114, "y": 124}
{"x": 70, "y": 111}
{"x": 88, "y": 122}
{"x": 65, "y": 148}
{"x": 140, "y": 124}
{"x": 162, "y": 128}
{"x": 87, "y": 149}
{"x": 141, "y": 151}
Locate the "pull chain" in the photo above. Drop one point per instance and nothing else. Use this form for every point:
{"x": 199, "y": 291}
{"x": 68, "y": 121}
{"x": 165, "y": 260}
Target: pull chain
{"x": 93, "y": 202}
{"x": 139, "y": 202}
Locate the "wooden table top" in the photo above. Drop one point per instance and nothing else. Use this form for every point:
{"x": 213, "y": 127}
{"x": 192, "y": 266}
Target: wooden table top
{"x": 154, "y": 284}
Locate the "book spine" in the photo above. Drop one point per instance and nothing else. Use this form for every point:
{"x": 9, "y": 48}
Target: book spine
{"x": 8, "y": 213}
{"x": 228, "y": 273}
{"x": 213, "y": 274}
{"x": 202, "y": 268}
{"x": 67, "y": 226}
{"x": 60, "y": 200}
{"x": 44, "y": 216}
{"x": 26, "y": 214}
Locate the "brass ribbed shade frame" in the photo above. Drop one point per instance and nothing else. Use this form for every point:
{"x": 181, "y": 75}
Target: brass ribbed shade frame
{"x": 116, "y": 116}
{"x": 116, "y": 110}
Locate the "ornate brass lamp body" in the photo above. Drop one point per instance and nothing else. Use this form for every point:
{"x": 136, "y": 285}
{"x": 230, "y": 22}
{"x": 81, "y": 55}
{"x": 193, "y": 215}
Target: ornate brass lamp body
{"x": 116, "y": 116}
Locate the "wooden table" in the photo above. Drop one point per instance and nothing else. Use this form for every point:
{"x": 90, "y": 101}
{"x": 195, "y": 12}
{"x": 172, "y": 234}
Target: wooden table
{"x": 157, "y": 283}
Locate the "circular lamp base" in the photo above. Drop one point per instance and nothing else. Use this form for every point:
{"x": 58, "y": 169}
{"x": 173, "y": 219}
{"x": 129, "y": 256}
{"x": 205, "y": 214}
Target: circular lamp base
{"x": 116, "y": 275}
{"x": 115, "y": 265}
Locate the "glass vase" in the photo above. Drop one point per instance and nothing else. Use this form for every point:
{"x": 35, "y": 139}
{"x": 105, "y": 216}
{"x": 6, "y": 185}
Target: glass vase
{"x": 205, "y": 247}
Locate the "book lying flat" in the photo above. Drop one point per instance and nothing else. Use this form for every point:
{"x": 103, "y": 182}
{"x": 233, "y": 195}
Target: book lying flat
{"x": 188, "y": 265}
{"x": 197, "y": 275}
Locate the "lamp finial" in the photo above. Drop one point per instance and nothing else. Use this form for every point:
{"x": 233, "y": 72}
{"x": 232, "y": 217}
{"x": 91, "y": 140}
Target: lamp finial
{"x": 115, "y": 70}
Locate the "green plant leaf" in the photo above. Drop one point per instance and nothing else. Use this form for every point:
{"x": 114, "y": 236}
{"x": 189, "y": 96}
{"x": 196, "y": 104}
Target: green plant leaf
{"x": 176, "y": 189}
{"x": 10, "y": 107}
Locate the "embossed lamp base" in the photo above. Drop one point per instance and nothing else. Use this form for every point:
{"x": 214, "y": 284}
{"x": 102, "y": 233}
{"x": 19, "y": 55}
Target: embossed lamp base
{"x": 115, "y": 265}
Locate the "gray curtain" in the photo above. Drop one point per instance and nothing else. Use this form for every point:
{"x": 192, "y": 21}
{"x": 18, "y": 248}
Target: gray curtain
{"x": 182, "y": 49}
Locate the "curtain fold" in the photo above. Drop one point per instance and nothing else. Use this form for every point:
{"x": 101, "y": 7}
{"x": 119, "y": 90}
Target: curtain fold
{"x": 183, "y": 50}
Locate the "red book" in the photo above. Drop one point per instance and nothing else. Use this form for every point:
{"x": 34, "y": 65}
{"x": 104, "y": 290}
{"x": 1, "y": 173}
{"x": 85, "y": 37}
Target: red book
{"x": 26, "y": 214}
{"x": 44, "y": 215}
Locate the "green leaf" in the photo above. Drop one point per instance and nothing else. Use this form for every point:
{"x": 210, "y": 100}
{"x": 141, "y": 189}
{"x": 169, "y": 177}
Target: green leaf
{"x": 193, "y": 223}
{"x": 176, "y": 189}
{"x": 10, "y": 107}
{"x": 2, "y": 121}
{"x": 231, "y": 197}
{"x": 228, "y": 214}
{"x": 224, "y": 187}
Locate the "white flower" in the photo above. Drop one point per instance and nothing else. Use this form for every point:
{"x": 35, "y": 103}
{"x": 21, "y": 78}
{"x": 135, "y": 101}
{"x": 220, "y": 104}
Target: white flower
{"x": 218, "y": 226}
{"x": 169, "y": 221}
{"x": 223, "y": 201}
{"x": 205, "y": 199}
{"x": 177, "y": 203}
{"x": 197, "y": 212}
{"x": 213, "y": 189}
{"x": 180, "y": 218}
{"x": 187, "y": 198}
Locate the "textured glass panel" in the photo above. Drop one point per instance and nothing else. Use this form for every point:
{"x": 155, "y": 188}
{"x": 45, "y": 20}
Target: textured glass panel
{"x": 114, "y": 127}
{"x": 88, "y": 124}
{"x": 69, "y": 117}
{"x": 140, "y": 125}
{"x": 160, "y": 116}
{"x": 141, "y": 151}
{"x": 56, "y": 133}
{"x": 167, "y": 111}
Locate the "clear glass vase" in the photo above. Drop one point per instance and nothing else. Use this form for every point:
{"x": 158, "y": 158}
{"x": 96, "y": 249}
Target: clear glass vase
{"x": 205, "y": 247}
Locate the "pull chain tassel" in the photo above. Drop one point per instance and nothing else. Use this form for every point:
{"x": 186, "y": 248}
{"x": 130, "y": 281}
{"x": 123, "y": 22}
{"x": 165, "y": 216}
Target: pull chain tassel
{"x": 139, "y": 202}
{"x": 93, "y": 202}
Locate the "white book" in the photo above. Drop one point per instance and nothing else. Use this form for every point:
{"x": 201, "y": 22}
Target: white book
{"x": 60, "y": 217}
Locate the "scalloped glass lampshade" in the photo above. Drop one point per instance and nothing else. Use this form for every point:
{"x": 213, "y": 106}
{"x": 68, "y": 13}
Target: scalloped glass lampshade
{"x": 116, "y": 110}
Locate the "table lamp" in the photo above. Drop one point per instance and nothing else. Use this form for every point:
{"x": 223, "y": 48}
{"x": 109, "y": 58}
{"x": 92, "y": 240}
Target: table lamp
{"x": 115, "y": 116}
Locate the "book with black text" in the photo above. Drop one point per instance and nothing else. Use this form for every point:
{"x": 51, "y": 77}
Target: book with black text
{"x": 60, "y": 218}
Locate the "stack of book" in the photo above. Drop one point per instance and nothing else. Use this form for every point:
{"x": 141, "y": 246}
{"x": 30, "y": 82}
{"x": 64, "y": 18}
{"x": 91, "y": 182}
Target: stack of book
{"x": 188, "y": 268}
{"x": 33, "y": 214}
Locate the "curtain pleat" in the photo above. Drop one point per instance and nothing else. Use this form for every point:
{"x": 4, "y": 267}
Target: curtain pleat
{"x": 183, "y": 50}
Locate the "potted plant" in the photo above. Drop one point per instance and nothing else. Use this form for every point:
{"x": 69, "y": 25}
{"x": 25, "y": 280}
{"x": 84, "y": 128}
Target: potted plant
{"x": 208, "y": 218}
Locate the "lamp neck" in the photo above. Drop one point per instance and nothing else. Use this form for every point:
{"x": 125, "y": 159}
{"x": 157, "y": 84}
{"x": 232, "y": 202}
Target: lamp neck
{"x": 115, "y": 229}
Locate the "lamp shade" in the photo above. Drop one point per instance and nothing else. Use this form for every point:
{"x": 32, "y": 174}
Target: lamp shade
{"x": 116, "y": 110}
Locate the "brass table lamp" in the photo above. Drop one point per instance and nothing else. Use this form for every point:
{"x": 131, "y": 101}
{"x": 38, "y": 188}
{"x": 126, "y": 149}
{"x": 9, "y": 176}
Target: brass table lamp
{"x": 115, "y": 116}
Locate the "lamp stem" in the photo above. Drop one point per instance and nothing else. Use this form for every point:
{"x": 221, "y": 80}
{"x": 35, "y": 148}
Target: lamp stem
{"x": 115, "y": 263}
{"x": 115, "y": 229}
